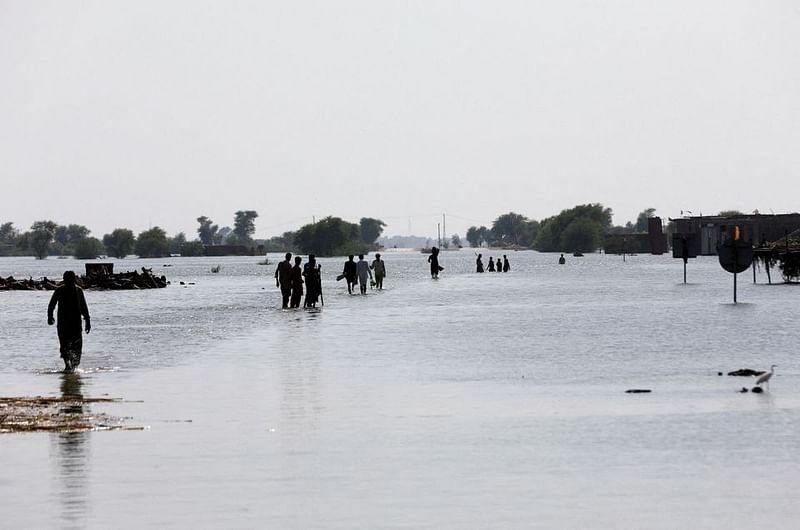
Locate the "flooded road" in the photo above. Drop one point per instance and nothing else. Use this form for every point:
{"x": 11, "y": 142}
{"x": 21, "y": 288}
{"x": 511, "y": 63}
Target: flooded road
{"x": 472, "y": 401}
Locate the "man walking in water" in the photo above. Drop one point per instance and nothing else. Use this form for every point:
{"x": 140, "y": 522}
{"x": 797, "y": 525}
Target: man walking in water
{"x": 283, "y": 279}
{"x": 379, "y": 266}
{"x": 350, "y": 273}
{"x": 433, "y": 259}
{"x": 296, "y": 276}
{"x": 362, "y": 268}
{"x": 71, "y": 306}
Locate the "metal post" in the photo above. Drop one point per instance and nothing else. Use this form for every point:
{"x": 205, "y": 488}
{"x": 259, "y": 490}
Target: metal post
{"x": 735, "y": 267}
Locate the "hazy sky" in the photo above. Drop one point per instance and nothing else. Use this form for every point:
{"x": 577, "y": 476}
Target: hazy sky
{"x": 131, "y": 114}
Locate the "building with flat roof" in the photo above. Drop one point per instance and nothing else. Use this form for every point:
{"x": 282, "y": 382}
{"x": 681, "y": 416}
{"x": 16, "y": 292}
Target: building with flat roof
{"x": 706, "y": 232}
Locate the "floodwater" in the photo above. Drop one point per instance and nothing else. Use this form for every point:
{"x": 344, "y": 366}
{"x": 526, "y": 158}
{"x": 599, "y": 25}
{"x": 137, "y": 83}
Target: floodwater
{"x": 472, "y": 401}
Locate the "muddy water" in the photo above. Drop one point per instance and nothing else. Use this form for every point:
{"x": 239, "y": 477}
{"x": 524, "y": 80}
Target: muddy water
{"x": 491, "y": 401}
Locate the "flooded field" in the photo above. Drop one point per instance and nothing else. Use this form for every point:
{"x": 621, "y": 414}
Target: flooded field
{"x": 472, "y": 401}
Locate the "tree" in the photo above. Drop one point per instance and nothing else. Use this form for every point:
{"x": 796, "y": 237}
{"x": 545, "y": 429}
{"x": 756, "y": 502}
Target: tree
{"x": 581, "y": 235}
{"x": 8, "y": 234}
{"x": 192, "y": 248}
{"x": 70, "y": 233}
{"x": 207, "y": 230}
{"x": 370, "y": 230}
{"x": 8, "y": 238}
{"x": 641, "y": 220}
{"x": 476, "y": 236}
{"x": 330, "y": 236}
{"x": 509, "y": 228}
{"x": 119, "y": 243}
{"x": 244, "y": 225}
{"x": 549, "y": 237}
{"x": 152, "y": 243}
{"x": 282, "y": 243}
{"x": 456, "y": 241}
{"x": 730, "y": 213}
{"x": 176, "y": 243}
{"x": 89, "y": 248}
{"x": 41, "y": 236}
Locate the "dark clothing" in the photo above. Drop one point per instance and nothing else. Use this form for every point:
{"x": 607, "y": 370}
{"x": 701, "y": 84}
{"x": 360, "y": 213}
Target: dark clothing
{"x": 506, "y": 265}
{"x": 282, "y": 274}
{"x": 491, "y": 265}
{"x": 479, "y": 265}
{"x": 434, "y": 261}
{"x": 313, "y": 284}
{"x": 296, "y": 280}
{"x": 350, "y": 272}
{"x": 71, "y": 307}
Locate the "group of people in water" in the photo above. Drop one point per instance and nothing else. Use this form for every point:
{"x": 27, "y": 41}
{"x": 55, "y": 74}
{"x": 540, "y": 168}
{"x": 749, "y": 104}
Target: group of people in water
{"x": 361, "y": 272}
{"x": 290, "y": 279}
{"x": 293, "y": 280}
{"x": 499, "y": 266}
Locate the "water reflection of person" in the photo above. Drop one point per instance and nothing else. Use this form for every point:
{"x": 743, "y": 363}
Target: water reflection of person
{"x": 71, "y": 306}
{"x": 72, "y": 457}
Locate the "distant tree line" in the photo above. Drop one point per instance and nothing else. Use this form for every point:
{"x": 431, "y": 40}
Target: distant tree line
{"x": 48, "y": 238}
{"x": 578, "y": 229}
{"x": 329, "y": 236}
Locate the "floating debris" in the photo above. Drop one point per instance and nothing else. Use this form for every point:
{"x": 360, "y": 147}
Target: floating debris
{"x": 56, "y": 414}
{"x": 746, "y": 372}
{"x": 638, "y": 391}
{"x": 102, "y": 282}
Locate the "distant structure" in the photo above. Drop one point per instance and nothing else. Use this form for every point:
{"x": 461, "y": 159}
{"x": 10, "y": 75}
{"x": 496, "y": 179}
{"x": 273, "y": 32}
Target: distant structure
{"x": 654, "y": 241}
{"x": 704, "y": 233}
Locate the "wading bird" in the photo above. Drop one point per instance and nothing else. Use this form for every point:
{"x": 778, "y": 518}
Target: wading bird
{"x": 764, "y": 378}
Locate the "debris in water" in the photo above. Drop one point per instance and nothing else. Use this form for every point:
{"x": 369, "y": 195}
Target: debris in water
{"x": 56, "y": 414}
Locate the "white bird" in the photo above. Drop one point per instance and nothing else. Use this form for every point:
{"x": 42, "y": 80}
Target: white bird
{"x": 764, "y": 378}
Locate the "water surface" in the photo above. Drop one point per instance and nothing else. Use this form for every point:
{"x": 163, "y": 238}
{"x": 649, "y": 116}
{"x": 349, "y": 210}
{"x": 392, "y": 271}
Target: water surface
{"x": 472, "y": 401}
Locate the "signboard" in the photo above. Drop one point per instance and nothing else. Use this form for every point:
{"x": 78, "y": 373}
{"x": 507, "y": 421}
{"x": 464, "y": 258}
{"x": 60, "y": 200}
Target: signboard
{"x": 685, "y": 246}
{"x": 735, "y": 256}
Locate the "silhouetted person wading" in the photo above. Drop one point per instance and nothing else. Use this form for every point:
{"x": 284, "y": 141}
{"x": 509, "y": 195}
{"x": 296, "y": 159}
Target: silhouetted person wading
{"x": 379, "y": 266}
{"x": 364, "y": 273}
{"x": 296, "y": 276}
{"x": 71, "y": 306}
{"x": 350, "y": 272}
{"x": 433, "y": 259}
{"x": 283, "y": 279}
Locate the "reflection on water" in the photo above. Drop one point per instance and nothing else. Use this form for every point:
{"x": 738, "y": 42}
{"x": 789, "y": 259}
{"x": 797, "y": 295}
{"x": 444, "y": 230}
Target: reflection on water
{"x": 71, "y": 459}
{"x": 300, "y": 374}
